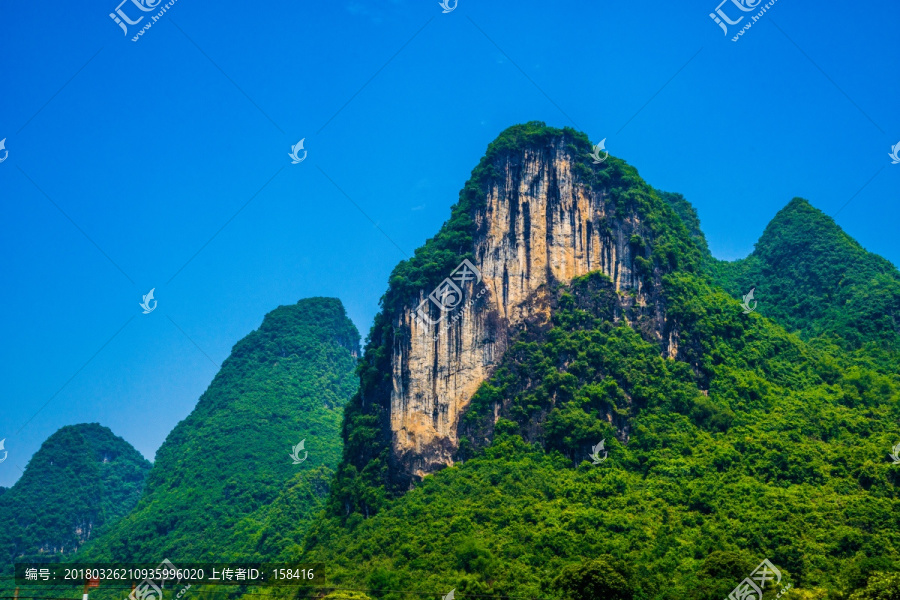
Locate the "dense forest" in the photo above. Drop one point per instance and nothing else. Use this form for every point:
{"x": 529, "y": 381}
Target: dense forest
{"x": 81, "y": 482}
{"x": 767, "y": 435}
{"x": 223, "y": 483}
{"x": 737, "y": 435}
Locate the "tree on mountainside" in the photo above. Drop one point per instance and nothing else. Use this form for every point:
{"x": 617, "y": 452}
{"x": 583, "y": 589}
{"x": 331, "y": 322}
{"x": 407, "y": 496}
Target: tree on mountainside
{"x": 881, "y": 586}
{"x": 593, "y": 580}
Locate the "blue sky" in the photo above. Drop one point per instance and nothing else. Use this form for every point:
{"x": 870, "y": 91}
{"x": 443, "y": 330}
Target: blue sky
{"x": 163, "y": 163}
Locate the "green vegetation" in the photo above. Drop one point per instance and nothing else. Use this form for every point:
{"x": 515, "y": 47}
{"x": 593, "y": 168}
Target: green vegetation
{"x": 731, "y": 437}
{"x": 223, "y": 485}
{"x": 755, "y": 444}
{"x": 80, "y": 483}
{"x": 593, "y": 579}
{"x": 688, "y": 215}
{"x": 881, "y": 586}
{"x": 364, "y": 482}
{"x": 816, "y": 280}
{"x": 346, "y": 595}
{"x": 765, "y": 436}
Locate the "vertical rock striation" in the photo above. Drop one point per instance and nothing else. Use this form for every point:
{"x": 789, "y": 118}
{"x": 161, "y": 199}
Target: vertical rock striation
{"x": 536, "y": 213}
{"x": 539, "y": 224}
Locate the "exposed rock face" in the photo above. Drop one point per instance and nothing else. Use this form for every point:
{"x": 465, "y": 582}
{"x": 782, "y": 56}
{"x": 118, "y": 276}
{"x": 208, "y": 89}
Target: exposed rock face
{"x": 539, "y": 226}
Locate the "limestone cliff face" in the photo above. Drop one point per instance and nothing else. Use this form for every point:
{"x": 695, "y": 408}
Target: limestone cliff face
{"x": 539, "y": 225}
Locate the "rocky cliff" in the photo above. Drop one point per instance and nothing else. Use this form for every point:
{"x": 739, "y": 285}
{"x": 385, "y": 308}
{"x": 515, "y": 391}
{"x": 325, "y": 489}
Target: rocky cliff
{"x": 596, "y": 435}
{"x": 537, "y": 212}
{"x": 540, "y": 224}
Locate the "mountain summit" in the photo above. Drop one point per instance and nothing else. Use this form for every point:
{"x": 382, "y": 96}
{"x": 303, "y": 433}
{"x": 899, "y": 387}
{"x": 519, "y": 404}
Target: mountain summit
{"x": 80, "y": 482}
{"x": 813, "y": 278}
{"x": 230, "y": 461}
{"x": 537, "y": 212}
{"x": 567, "y": 306}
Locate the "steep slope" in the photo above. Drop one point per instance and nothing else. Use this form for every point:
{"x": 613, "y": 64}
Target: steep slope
{"x": 536, "y": 211}
{"x": 815, "y": 279}
{"x": 229, "y": 460}
{"x": 729, "y": 439}
{"x": 80, "y": 482}
{"x": 688, "y": 215}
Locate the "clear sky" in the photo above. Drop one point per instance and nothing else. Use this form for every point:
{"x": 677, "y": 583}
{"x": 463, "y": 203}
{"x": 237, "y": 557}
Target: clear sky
{"x": 163, "y": 163}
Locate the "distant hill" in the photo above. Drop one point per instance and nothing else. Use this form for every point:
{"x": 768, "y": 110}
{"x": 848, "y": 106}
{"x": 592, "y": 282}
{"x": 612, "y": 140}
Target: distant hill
{"x": 224, "y": 484}
{"x": 814, "y": 279}
{"x": 81, "y": 481}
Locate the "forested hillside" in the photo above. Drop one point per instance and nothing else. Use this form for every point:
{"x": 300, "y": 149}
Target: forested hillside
{"x": 643, "y": 435}
{"x": 768, "y": 448}
{"x": 816, "y": 280}
{"x": 224, "y": 484}
{"x": 738, "y": 437}
{"x": 80, "y": 483}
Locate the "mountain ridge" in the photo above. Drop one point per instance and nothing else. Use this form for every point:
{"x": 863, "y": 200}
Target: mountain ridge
{"x": 78, "y": 485}
{"x": 730, "y": 437}
{"x": 535, "y": 210}
{"x": 813, "y": 278}
{"x": 760, "y": 435}
{"x": 284, "y": 382}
